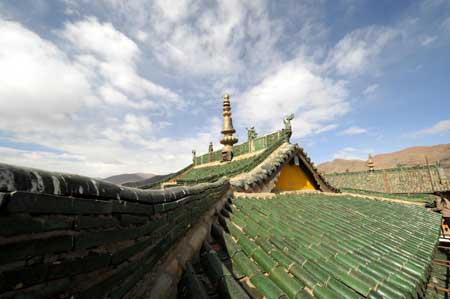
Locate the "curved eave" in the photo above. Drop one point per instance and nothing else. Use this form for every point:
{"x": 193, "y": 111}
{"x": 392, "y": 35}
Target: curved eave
{"x": 15, "y": 178}
{"x": 264, "y": 173}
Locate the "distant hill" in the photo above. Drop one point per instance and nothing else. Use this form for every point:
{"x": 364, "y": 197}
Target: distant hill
{"x": 407, "y": 157}
{"x": 128, "y": 177}
{"x": 148, "y": 181}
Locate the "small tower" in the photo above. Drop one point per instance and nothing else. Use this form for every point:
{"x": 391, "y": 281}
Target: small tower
{"x": 194, "y": 157}
{"x": 228, "y": 139}
{"x": 251, "y": 136}
{"x": 370, "y": 163}
{"x": 210, "y": 152}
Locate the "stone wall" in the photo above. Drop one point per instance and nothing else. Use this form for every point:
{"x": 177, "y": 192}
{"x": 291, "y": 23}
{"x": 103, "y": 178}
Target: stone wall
{"x": 67, "y": 236}
{"x": 397, "y": 180}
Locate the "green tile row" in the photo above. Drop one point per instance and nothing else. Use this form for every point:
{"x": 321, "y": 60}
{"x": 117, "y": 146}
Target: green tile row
{"x": 235, "y": 167}
{"x": 338, "y": 247}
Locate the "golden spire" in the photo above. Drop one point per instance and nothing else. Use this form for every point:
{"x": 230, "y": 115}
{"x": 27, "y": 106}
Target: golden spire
{"x": 370, "y": 163}
{"x": 228, "y": 139}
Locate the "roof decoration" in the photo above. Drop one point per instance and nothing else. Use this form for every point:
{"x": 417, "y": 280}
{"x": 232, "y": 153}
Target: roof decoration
{"x": 370, "y": 163}
{"x": 210, "y": 148}
{"x": 194, "y": 156}
{"x": 228, "y": 139}
{"x": 251, "y": 137}
{"x": 268, "y": 163}
{"x": 287, "y": 125}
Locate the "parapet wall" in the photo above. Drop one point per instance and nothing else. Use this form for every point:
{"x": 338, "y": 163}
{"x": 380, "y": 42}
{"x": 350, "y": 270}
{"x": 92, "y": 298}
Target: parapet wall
{"x": 259, "y": 143}
{"x": 419, "y": 179}
{"x": 67, "y": 236}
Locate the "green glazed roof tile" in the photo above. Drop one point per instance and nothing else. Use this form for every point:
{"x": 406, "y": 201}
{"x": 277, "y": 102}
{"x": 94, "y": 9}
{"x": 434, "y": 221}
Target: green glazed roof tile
{"x": 323, "y": 292}
{"x": 338, "y": 247}
{"x": 264, "y": 260}
{"x": 341, "y": 289}
{"x": 304, "y": 276}
{"x": 267, "y": 287}
{"x": 231, "y": 247}
{"x": 247, "y": 246}
{"x": 235, "y": 167}
{"x": 287, "y": 283}
{"x": 244, "y": 264}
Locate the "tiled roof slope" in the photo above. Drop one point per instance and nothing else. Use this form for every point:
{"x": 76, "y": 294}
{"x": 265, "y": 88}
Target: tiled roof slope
{"x": 69, "y": 236}
{"x": 259, "y": 143}
{"x": 319, "y": 246}
{"x": 439, "y": 281}
{"x": 271, "y": 166}
{"x": 155, "y": 183}
{"x": 416, "y": 179}
{"x": 252, "y": 173}
{"x": 420, "y": 198}
{"x": 235, "y": 167}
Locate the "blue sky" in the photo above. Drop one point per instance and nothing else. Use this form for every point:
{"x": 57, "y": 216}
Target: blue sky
{"x": 106, "y": 87}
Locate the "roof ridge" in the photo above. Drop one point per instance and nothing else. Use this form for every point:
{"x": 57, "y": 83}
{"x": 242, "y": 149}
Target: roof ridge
{"x": 269, "y": 168}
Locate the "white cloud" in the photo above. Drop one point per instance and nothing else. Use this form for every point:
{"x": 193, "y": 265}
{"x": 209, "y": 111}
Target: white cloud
{"x": 357, "y": 50}
{"x": 136, "y": 123}
{"x": 294, "y": 88}
{"x": 370, "y": 89}
{"x": 427, "y": 40}
{"x": 351, "y": 153}
{"x": 141, "y": 36}
{"x": 121, "y": 147}
{"x": 440, "y": 128}
{"x": 67, "y": 97}
{"x": 36, "y": 77}
{"x": 428, "y": 5}
{"x": 446, "y": 24}
{"x": 101, "y": 39}
{"x": 114, "y": 57}
{"x": 41, "y": 84}
{"x": 105, "y": 118}
{"x": 223, "y": 39}
{"x": 207, "y": 44}
{"x": 353, "y": 131}
{"x": 326, "y": 128}
{"x": 89, "y": 82}
{"x": 112, "y": 96}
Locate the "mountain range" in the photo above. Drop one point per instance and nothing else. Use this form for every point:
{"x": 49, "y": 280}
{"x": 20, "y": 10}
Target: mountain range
{"x": 128, "y": 177}
{"x": 411, "y": 156}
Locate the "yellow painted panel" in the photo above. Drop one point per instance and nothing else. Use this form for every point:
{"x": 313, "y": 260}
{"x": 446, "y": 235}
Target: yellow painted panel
{"x": 293, "y": 178}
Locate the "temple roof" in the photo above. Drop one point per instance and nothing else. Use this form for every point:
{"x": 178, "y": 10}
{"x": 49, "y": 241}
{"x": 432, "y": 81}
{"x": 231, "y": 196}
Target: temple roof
{"x": 248, "y": 170}
{"x": 270, "y": 167}
{"x": 324, "y": 246}
{"x": 414, "y": 179}
{"x": 102, "y": 240}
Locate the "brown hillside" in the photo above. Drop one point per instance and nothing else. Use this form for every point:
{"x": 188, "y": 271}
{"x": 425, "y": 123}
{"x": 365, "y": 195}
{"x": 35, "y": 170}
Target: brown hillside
{"x": 128, "y": 177}
{"x": 341, "y": 165}
{"x": 407, "y": 157}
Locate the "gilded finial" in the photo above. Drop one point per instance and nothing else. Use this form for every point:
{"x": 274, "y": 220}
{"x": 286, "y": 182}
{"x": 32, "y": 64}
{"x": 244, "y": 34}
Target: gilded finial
{"x": 228, "y": 139}
{"x": 371, "y": 163}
